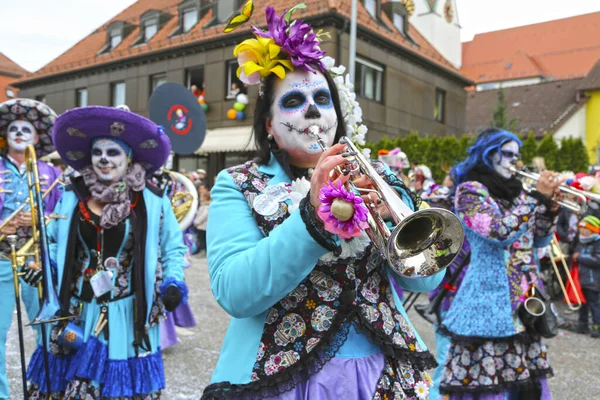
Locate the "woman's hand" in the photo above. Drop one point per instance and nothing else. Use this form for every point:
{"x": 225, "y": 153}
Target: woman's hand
{"x": 576, "y": 257}
{"x": 24, "y": 219}
{"x": 32, "y": 273}
{"x": 548, "y": 183}
{"x": 10, "y": 228}
{"x": 321, "y": 175}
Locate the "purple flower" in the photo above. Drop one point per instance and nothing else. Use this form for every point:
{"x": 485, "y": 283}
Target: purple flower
{"x": 345, "y": 229}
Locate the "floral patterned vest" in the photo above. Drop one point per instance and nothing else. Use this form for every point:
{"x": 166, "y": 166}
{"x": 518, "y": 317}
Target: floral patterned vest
{"x": 305, "y": 329}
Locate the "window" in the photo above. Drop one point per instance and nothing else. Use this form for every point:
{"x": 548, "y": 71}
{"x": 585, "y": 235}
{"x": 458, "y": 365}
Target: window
{"x": 369, "y": 79}
{"x": 81, "y": 97}
{"x": 156, "y": 81}
{"x": 117, "y": 94}
{"x": 150, "y": 29}
{"x": 224, "y": 9}
{"x": 41, "y": 98}
{"x": 371, "y": 6}
{"x": 115, "y": 38}
{"x": 10, "y": 93}
{"x": 195, "y": 81}
{"x": 190, "y": 18}
{"x": 234, "y": 85}
{"x": 440, "y": 105}
{"x": 400, "y": 22}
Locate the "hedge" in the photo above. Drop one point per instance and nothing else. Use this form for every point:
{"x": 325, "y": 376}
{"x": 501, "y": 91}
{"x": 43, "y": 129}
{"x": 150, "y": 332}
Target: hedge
{"x": 436, "y": 151}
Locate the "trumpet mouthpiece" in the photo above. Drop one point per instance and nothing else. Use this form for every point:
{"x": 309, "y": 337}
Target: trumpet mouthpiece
{"x": 313, "y": 130}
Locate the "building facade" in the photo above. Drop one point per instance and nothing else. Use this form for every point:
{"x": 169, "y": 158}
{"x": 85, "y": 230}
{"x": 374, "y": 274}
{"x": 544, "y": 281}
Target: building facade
{"x": 402, "y": 82}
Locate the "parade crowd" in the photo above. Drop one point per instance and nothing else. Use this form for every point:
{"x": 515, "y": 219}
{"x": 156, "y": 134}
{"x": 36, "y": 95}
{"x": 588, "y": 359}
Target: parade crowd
{"x": 314, "y": 248}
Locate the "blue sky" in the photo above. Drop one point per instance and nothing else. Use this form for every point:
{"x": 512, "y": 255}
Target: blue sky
{"x": 34, "y": 32}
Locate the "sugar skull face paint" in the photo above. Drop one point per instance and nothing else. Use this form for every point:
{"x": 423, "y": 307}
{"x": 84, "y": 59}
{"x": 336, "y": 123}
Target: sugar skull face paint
{"x": 302, "y": 100}
{"x": 506, "y": 158}
{"x": 20, "y": 134}
{"x": 109, "y": 160}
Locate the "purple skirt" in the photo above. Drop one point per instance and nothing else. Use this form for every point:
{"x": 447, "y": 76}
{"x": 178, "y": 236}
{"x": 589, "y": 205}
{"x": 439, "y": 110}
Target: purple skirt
{"x": 341, "y": 378}
{"x": 181, "y": 317}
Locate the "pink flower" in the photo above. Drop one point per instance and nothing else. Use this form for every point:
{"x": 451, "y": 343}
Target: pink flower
{"x": 481, "y": 223}
{"x": 344, "y": 229}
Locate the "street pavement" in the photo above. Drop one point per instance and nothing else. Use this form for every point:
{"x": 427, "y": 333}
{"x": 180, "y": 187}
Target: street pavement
{"x": 575, "y": 358}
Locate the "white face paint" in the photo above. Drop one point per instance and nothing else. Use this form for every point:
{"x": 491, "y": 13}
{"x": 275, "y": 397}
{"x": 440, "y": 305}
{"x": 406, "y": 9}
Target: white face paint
{"x": 506, "y": 158}
{"x": 301, "y": 100}
{"x": 109, "y": 160}
{"x": 20, "y": 134}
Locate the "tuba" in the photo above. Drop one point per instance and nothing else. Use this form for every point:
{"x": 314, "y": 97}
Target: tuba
{"x": 422, "y": 243}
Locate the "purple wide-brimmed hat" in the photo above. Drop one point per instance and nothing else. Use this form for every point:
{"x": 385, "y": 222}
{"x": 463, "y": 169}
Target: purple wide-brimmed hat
{"x": 38, "y": 114}
{"x": 75, "y": 130}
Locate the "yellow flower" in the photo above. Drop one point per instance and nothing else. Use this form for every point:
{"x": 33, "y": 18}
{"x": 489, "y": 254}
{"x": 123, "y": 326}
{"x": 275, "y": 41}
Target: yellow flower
{"x": 310, "y": 304}
{"x": 259, "y": 58}
{"x": 411, "y": 347}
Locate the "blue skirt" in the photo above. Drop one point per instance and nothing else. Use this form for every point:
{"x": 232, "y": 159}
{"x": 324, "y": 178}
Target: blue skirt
{"x": 100, "y": 367}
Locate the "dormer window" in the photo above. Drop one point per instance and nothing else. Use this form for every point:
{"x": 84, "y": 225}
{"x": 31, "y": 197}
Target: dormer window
{"x": 150, "y": 29}
{"x": 189, "y": 15}
{"x": 399, "y": 21}
{"x": 190, "y": 19}
{"x": 371, "y": 6}
{"x": 150, "y": 23}
{"x": 224, "y": 9}
{"x": 116, "y": 32}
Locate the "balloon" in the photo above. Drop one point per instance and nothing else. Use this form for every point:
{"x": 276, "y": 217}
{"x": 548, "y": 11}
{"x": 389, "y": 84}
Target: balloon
{"x": 242, "y": 98}
{"x": 231, "y": 114}
{"x": 240, "y": 115}
{"x": 239, "y": 106}
{"x": 201, "y": 101}
{"x": 204, "y": 106}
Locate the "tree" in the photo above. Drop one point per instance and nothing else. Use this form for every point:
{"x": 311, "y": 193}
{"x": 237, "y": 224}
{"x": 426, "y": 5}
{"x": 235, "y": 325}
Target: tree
{"x": 549, "y": 150}
{"x": 529, "y": 148}
{"x": 578, "y": 158}
{"x": 500, "y": 115}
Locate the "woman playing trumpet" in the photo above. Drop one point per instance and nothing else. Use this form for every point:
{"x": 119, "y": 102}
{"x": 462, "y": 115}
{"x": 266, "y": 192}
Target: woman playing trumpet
{"x": 313, "y": 315}
{"x": 492, "y": 354}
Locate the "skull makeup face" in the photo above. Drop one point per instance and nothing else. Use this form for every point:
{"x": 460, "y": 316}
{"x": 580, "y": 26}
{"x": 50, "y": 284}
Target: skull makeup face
{"x": 109, "y": 160}
{"x": 505, "y": 158}
{"x": 301, "y": 100}
{"x": 20, "y": 134}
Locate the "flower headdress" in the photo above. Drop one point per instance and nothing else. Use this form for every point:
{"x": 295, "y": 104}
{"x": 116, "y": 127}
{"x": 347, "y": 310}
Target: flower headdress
{"x": 286, "y": 44}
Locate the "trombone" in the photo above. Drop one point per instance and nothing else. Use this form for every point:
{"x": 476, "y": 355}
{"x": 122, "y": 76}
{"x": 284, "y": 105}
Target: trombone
{"x": 577, "y": 207}
{"x": 556, "y": 254}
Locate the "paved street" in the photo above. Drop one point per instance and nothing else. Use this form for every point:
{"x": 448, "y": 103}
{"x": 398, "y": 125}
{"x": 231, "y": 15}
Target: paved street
{"x": 575, "y": 358}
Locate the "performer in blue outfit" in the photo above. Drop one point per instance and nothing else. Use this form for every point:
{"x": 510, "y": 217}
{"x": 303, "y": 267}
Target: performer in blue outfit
{"x": 22, "y": 122}
{"x": 313, "y": 316}
{"x": 493, "y": 353}
{"x": 106, "y": 254}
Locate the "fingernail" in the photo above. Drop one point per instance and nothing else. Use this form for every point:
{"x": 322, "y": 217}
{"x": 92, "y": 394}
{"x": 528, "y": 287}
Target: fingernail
{"x": 346, "y": 154}
{"x": 354, "y": 153}
{"x": 346, "y": 172}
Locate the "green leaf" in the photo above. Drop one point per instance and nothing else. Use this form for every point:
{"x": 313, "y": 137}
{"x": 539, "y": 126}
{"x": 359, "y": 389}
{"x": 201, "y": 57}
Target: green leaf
{"x": 288, "y": 15}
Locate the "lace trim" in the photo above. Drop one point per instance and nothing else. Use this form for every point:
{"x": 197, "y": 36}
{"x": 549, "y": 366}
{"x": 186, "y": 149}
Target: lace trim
{"x": 289, "y": 378}
{"x": 419, "y": 360}
{"x": 523, "y": 337}
{"x": 531, "y": 382}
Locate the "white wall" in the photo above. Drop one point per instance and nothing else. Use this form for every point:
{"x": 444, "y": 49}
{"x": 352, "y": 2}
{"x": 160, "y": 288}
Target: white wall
{"x": 443, "y": 36}
{"x": 574, "y": 127}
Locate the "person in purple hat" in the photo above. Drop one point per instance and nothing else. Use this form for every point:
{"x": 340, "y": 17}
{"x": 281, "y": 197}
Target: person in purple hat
{"x": 119, "y": 258}
{"x": 22, "y": 122}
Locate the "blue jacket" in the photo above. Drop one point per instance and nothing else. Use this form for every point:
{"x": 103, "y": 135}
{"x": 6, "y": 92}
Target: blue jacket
{"x": 249, "y": 273}
{"x": 162, "y": 232}
{"x": 589, "y": 264}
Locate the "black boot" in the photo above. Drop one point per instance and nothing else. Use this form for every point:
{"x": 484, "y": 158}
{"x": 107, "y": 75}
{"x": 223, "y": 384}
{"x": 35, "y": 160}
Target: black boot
{"x": 595, "y": 331}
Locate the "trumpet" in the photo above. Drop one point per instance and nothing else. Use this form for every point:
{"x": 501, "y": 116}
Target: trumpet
{"x": 555, "y": 254}
{"x": 576, "y": 207}
{"x": 422, "y": 243}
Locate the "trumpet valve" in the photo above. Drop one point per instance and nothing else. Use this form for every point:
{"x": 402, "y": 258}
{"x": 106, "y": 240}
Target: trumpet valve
{"x": 342, "y": 210}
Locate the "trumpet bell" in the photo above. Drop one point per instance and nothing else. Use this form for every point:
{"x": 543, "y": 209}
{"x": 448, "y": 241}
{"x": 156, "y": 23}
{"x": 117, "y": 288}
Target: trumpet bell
{"x": 424, "y": 243}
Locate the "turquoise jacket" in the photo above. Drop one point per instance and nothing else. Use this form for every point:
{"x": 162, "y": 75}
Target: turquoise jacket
{"x": 162, "y": 232}
{"x": 249, "y": 273}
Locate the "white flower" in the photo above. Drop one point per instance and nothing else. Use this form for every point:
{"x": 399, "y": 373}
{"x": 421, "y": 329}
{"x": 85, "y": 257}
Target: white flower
{"x": 366, "y": 152}
{"x": 339, "y": 81}
{"x": 339, "y": 70}
{"x": 300, "y": 188}
{"x": 422, "y": 390}
{"x": 362, "y": 130}
{"x": 329, "y": 62}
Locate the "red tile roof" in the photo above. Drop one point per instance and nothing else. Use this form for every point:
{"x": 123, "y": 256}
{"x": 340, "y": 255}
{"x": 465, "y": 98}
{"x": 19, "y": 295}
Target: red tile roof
{"x": 9, "y": 67}
{"x": 562, "y": 49}
{"x": 85, "y": 53}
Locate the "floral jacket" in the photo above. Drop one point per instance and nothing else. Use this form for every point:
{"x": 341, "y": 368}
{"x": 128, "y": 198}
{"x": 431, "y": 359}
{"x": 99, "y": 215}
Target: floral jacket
{"x": 503, "y": 238}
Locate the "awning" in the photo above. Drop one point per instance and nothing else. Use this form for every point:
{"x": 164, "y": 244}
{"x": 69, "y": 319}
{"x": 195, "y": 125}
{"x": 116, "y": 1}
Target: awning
{"x": 220, "y": 140}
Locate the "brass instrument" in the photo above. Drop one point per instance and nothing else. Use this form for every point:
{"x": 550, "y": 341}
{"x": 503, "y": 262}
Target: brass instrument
{"x": 576, "y": 207}
{"x": 12, "y": 240}
{"x": 422, "y": 243}
{"x": 184, "y": 204}
{"x": 555, "y": 254}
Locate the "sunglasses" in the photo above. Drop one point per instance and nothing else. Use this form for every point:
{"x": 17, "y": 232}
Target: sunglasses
{"x": 510, "y": 154}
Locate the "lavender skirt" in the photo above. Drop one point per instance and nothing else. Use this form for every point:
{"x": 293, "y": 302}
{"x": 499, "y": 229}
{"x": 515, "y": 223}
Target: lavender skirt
{"x": 181, "y": 317}
{"x": 341, "y": 378}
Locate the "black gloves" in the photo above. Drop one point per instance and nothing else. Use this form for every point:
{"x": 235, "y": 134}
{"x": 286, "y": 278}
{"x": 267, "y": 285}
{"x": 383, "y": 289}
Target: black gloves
{"x": 172, "y": 298}
{"x": 31, "y": 276}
